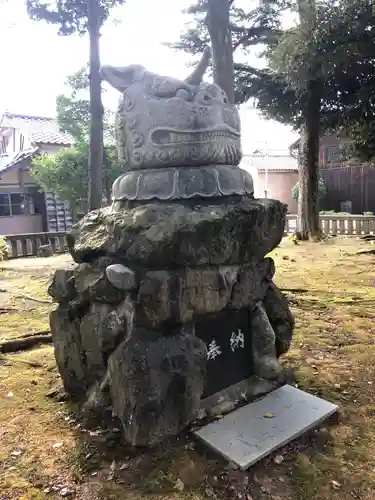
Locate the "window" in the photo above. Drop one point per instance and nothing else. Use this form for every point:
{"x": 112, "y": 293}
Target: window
{"x": 15, "y": 204}
{"x": 346, "y": 206}
{"x": 334, "y": 154}
{"x": 4, "y": 205}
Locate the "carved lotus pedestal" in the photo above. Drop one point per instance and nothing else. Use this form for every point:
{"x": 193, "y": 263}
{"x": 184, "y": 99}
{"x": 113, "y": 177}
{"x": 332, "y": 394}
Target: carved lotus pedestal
{"x": 171, "y": 310}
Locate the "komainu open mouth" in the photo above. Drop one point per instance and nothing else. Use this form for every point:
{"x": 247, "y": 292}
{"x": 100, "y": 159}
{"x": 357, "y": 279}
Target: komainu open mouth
{"x": 162, "y": 137}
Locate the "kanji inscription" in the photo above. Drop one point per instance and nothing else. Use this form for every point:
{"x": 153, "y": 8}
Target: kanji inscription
{"x": 228, "y": 339}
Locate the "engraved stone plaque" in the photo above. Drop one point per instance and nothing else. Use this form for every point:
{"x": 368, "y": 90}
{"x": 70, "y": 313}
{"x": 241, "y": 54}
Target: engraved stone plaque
{"x": 228, "y": 340}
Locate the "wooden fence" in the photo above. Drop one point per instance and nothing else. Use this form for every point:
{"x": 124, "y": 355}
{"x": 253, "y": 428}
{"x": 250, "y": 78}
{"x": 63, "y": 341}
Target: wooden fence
{"x": 344, "y": 225}
{"x": 28, "y": 245}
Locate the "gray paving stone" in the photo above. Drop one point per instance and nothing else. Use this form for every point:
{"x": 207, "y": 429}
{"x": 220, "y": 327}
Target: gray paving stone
{"x": 254, "y": 431}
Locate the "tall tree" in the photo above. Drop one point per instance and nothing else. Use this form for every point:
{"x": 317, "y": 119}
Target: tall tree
{"x": 221, "y": 40}
{"x": 81, "y": 17}
{"x": 256, "y": 26}
{"x": 96, "y": 107}
{"x": 308, "y": 224}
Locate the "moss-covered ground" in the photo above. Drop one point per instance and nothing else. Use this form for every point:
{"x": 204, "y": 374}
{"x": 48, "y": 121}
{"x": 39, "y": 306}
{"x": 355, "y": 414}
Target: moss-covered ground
{"x": 45, "y": 452}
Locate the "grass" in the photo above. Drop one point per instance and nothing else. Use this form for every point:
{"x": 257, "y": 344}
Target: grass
{"x": 332, "y": 356}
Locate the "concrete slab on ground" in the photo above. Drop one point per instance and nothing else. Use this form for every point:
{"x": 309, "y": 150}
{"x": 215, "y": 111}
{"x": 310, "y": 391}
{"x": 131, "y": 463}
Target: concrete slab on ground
{"x": 252, "y": 432}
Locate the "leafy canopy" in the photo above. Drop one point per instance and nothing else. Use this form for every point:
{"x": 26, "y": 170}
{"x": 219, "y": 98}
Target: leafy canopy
{"x": 70, "y": 15}
{"x": 258, "y": 25}
{"x": 341, "y": 50}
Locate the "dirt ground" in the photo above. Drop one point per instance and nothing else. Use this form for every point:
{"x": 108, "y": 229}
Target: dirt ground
{"x": 46, "y": 451}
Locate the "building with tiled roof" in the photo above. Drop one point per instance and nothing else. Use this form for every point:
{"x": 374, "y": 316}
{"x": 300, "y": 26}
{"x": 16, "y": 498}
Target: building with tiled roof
{"x": 24, "y": 208}
{"x": 33, "y": 130}
{"x": 274, "y": 174}
{"x": 273, "y": 162}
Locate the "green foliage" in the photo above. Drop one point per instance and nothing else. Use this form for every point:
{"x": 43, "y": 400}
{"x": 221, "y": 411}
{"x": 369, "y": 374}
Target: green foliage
{"x": 322, "y": 190}
{"x": 66, "y": 174}
{"x": 70, "y": 15}
{"x": 73, "y": 111}
{"x": 4, "y": 250}
{"x": 254, "y": 27}
{"x": 333, "y": 212}
{"x": 341, "y": 50}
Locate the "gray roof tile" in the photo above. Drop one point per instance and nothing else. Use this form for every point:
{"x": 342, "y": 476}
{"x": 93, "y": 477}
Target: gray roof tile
{"x": 39, "y": 129}
{"x": 272, "y": 163}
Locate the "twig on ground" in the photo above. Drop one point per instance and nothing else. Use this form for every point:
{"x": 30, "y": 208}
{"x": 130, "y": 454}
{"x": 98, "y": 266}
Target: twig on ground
{"x": 33, "y": 334}
{"x": 294, "y": 290}
{"x": 20, "y": 295}
{"x": 34, "y": 299}
{"x": 363, "y": 252}
{"x": 33, "y": 364}
{"x": 24, "y": 343}
{"x": 6, "y": 310}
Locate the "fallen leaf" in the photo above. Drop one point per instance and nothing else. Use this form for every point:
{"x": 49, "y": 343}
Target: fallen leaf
{"x": 179, "y": 486}
{"x": 65, "y": 492}
{"x": 96, "y": 433}
{"x": 124, "y": 466}
{"x": 113, "y": 466}
{"x": 269, "y": 415}
{"x": 57, "y": 445}
{"x": 279, "y": 459}
{"x": 336, "y": 484}
{"x": 16, "y": 453}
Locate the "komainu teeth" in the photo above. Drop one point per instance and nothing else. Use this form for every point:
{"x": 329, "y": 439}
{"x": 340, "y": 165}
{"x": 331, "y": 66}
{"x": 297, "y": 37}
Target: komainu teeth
{"x": 200, "y": 137}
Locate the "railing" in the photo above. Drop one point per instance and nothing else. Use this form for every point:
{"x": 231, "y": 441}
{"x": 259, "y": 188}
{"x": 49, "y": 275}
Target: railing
{"x": 28, "y": 245}
{"x": 345, "y": 225}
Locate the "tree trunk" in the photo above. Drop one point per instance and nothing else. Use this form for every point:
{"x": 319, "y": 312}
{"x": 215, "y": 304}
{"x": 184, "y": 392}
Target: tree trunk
{"x": 221, "y": 40}
{"x": 107, "y": 185}
{"x": 96, "y": 110}
{"x": 308, "y": 225}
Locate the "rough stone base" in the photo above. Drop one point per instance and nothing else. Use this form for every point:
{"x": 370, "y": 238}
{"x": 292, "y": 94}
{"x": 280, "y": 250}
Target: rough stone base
{"x": 124, "y": 331}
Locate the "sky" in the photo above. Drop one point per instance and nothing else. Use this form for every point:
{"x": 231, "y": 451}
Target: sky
{"x": 36, "y": 61}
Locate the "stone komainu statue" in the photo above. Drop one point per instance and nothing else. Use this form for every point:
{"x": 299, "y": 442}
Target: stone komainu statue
{"x": 172, "y": 301}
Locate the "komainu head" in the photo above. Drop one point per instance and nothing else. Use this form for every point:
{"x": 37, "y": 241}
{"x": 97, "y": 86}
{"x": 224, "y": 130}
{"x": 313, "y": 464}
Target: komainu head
{"x": 165, "y": 122}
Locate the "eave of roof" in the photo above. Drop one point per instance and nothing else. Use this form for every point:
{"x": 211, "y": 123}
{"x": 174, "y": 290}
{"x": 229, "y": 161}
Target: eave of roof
{"x": 272, "y": 163}
{"x": 17, "y": 158}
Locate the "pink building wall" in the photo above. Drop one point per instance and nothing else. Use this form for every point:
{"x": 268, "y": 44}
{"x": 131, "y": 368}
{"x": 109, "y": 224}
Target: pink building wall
{"x": 279, "y": 187}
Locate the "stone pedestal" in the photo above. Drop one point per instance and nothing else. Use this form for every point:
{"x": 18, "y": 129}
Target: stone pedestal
{"x": 169, "y": 307}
